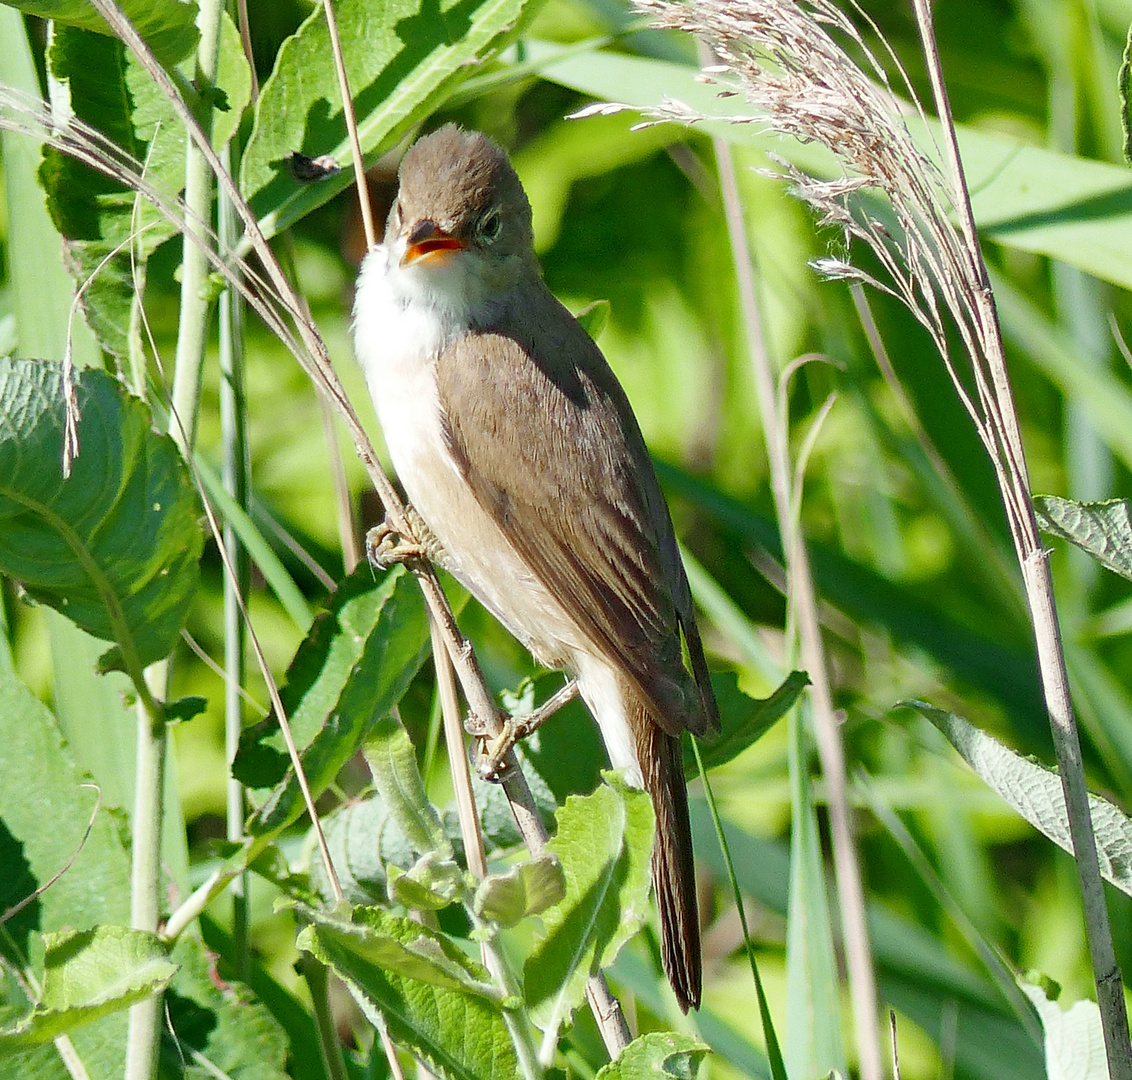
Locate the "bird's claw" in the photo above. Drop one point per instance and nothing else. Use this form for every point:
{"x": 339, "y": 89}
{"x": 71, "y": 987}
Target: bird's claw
{"x": 385, "y": 547}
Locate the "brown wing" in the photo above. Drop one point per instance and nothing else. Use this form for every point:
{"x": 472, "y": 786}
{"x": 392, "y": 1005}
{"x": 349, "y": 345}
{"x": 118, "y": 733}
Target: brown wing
{"x": 568, "y": 478}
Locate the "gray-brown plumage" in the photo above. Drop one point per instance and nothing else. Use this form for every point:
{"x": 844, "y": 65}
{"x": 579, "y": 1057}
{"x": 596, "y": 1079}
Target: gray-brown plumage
{"x": 518, "y": 447}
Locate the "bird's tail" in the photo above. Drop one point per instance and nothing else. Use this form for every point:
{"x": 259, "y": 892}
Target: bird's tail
{"x": 673, "y": 871}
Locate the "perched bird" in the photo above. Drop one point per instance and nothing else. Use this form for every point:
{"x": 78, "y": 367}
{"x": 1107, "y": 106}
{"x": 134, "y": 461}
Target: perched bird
{"x": 518, "y": 449}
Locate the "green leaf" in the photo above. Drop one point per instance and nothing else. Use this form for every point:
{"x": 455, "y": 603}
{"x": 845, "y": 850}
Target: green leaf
{"x": 218, "y": 1022}
{"x": 659, "y": 1053}
{"x": 352, "y": 668}
{"x": 604, "y": 843}
{"x": 430, "y": 884}
{"x": 402, "y": 59}
{"x": 168, "y": 26}
{"x": 393, "y": 764}
{"x": 1103, "y": 529}
{"x": 430, "y": 996}
{"x": 813, "y": 1047}
{"x": 743, "y": 720}
{"x": 1074, "y": 1040}
{"x": 1035, "y": 793}
{"x": 527, "y": 889}
{"x": 103, "y": 240}
{"x": 115, "y": 546}
{"x": 90, "y": 973}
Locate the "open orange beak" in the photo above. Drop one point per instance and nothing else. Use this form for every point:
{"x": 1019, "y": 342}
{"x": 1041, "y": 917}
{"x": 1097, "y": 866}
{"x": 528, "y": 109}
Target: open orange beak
{"x": 427, "y": 238}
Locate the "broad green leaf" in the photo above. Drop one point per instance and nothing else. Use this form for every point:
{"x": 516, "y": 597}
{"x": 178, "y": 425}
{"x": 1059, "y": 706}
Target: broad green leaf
{"x": 1074, "y": 1040}
{"x": 1103, "y": 529}
{"x": 363, "y": 649}
{"x": 402, "y": 59}
{"x": 657, "y": 1054}
{"x": 90, "y": 973}
{"x": 743, "y": 720}
{"x": 96, "y": 885}
{"x": 108, "y": 231}
{"x": 1025, "y": 197}
{"x": 432, "y": 999}
{"x": 527, "y": 889}
{"x": 107, "y": 234}
{"x": 399, "y": 945}
{"x": 1035, "y": 793}
{"x": 95, "y": 888}
{"x": 604, "y": 843}
{"x": 393, "y": 764}
{"x": 115, "y": 545}
{"x": 218, "y": 1021}
{"x": 168, "y": 26}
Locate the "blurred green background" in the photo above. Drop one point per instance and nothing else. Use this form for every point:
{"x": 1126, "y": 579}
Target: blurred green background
{"x": 921, "y": 599}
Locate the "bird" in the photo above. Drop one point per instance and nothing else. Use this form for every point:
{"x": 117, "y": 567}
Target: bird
{"x": 519, "y": 451}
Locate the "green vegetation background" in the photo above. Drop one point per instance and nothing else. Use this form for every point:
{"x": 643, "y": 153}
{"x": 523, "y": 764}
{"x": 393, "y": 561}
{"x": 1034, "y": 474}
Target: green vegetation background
{"x": 916, "y": 607}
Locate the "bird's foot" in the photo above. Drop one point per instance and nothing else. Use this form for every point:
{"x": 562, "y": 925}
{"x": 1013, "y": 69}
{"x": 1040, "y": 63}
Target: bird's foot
{"x": 385, "y": 546}
{"x": 489, "y": 751}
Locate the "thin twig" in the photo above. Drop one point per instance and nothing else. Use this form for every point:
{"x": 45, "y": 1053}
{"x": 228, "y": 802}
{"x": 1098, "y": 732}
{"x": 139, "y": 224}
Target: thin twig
{"x": 351, "y": 125}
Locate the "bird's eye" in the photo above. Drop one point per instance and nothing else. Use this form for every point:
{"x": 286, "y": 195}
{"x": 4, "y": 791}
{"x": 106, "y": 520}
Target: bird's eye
{"x": 490, "y": 226}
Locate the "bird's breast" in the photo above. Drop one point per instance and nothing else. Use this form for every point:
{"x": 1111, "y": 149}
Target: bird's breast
{"x": 397, "y": 341}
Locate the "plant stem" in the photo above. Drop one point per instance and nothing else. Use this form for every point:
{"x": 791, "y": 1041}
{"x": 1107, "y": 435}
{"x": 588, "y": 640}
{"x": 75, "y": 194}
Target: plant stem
{"x": 192, "y": 328}
{"x": 802, "y": 599}
{"x": 145, "y": 885}
{"x": 1034, "y": 562}
{"x": 233, "y": 434}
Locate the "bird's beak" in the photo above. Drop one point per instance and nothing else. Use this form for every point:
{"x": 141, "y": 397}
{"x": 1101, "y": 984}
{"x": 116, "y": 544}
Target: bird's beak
{"x": 428, "y": 238}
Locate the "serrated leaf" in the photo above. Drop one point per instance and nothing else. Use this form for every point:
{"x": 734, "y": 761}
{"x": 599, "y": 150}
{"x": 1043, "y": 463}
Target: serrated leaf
{"x": 527, "y": 889}
{"x": 402, "y": 57}
{"x": 392, "y": 762}
{"x": 604, "y": 843}
{"x": 89, "y": 974}
{"x": 743, "y": 720}
{"x": 1103, "y": 529}
{"x": 455, "y": 1030}
{"x": 108, "y": 232}
{"x": 96, "y": 887}
{"x": 431, "y": 883}
{"x": 115, "y": 546}
{"x": 362, "y": 651}
{"x": 1035, "y": 793}
{"x": 168, "y": 26}
{"x": 656, "y": 1054}
{"x": 1074, "y": 1039}
{"x": 400, "y": 946}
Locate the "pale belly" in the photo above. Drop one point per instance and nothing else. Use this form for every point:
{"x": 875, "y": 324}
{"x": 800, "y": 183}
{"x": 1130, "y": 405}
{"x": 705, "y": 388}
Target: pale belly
{"x": 396, "y": 346}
